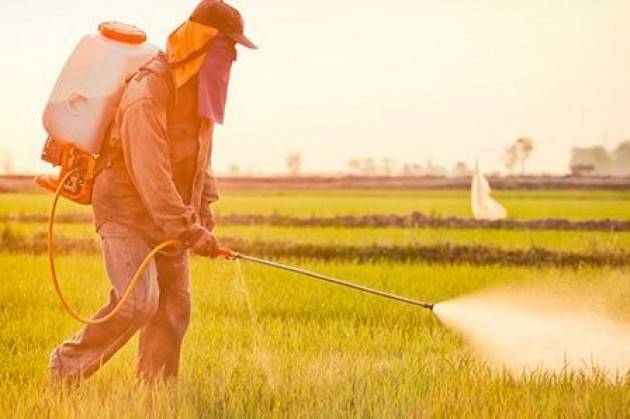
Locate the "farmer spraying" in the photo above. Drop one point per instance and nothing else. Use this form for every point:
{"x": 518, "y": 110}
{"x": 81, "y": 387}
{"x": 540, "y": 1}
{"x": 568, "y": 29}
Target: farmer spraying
{"x": 153, "y": 184}
{"x": 132, "y": 136}
{"x": 135, "y": 142}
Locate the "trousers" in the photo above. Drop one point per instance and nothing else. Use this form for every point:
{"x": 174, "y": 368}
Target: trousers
{"x": 159, "y": 309}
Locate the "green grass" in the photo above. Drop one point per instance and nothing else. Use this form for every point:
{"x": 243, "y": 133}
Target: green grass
{"x": 520, "y": 204}
{"x": 576, "y": 205}
{"x": 322, "y": 351}
{"x": 583, "y": 241}
{"x": 578, "y": 241}
{"x": 319, "y": 351}
{"x": 36, "y": 203}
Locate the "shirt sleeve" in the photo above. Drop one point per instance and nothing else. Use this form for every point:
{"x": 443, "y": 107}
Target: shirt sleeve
{"x": 146, "y": 153}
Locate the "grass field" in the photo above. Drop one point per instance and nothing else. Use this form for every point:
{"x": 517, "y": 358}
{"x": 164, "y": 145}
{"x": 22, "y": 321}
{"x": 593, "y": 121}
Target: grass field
{"x": 575, "y": 205}
{"x": 559, "y": 240}
{"x": 316, "y": 350}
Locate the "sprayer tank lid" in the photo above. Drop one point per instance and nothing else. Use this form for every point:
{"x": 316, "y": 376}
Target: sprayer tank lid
{"x": 122, "y": 32}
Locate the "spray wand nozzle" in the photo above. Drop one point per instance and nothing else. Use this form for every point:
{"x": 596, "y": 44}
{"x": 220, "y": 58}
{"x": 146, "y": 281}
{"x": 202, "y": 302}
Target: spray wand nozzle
{"x": 232, "y": 255}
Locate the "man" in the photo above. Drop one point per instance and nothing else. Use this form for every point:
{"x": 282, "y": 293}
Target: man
{"x": 153, "y": 185}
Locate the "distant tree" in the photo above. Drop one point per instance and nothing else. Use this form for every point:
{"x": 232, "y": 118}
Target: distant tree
{"x": 294, "y": 163}
{"x": 7, "y": 162}
{"x": 518, "y": 153}
{"x": 363, "y": 167}
{"x": 388, "y": 166}
{"x": 368, "y": 167}
{"x": 461, "y": 169}
{"x": 417, "y": 169}
{"x": 355, "y": 166}
{"x": 525, "y": 147}
{"x": 622, "y": 154}
{"x": 510, "y": 157}
{"x": 234, "y": 170}
{"x": 412, "y": 169}
{"x": 434, "y": 170}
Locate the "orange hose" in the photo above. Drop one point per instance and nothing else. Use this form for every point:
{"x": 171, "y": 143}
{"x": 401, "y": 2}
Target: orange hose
{"x": 53, "y": 270}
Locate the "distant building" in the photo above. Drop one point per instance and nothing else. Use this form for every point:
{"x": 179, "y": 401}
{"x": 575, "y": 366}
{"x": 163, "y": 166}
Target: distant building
{"x": 597, "y": 161}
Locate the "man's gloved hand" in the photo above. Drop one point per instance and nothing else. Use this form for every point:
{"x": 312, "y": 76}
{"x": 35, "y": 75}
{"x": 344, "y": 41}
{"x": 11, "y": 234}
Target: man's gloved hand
{"x": 206, "y": 218}
{"x": 206, "y": 245}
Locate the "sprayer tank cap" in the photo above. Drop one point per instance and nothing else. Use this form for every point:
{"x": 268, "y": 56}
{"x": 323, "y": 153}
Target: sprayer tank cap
{"x": 122, "y": 32}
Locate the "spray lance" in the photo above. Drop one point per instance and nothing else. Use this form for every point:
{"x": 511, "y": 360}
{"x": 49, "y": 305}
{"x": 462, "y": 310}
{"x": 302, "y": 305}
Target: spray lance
{"x": 231, "y": 255}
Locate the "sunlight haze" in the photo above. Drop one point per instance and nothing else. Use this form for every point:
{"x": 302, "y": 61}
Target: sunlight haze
{"x": 408, "y": 80}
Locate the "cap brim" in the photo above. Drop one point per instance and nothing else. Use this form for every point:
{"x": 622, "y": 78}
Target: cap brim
{"x": 243, "y": 40}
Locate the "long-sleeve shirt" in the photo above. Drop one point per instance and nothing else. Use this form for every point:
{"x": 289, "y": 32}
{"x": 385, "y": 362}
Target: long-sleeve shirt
{"x": 156, "y": 175}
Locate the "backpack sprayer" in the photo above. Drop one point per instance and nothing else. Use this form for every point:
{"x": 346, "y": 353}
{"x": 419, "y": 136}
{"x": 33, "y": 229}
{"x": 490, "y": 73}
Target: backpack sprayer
{"x": 77, "y": 117}
{"x": 83, "y": 103}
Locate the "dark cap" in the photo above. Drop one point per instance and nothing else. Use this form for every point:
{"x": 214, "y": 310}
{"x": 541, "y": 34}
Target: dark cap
{"x": 225, "y": 18}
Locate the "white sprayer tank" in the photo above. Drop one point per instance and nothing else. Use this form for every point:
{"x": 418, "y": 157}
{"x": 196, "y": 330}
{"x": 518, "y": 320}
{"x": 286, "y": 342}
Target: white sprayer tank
{"x": 87, "y": 92}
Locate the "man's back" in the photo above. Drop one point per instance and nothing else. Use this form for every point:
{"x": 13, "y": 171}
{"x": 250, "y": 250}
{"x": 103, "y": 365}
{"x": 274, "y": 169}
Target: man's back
{"x": 152, "y": 92}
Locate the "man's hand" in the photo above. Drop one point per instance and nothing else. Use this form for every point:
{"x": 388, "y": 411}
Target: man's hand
{"x": 206, "y": 218}
{"x": 206, "y": 245}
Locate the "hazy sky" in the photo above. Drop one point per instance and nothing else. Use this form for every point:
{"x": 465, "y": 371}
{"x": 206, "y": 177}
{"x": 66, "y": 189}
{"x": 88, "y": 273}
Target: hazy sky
{"x": 411, "y": 79}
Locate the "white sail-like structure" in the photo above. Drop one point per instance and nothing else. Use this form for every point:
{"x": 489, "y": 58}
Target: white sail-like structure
{"x": 484, "y": 207}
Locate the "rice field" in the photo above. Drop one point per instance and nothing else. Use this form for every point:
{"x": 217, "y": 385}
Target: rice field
{"x": 316, "y": 350}
{"x": 573, "y": 205}
{"x": 511, "y": 239}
